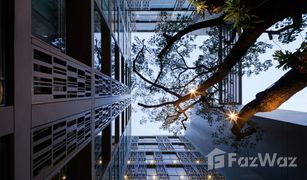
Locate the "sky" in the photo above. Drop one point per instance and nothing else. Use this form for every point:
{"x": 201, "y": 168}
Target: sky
{"x": 250, "y": 85}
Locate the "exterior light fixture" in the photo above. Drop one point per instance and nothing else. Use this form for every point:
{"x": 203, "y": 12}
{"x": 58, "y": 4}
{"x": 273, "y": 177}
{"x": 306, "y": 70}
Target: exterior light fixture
{"x": 128, "y": 162}
{"x": 174, "y": 161}
{"x": 232, "y": 116}
{"x": 197, "y": 162}
{"x": 209, "y": 177}
{"x": 125, "y": 177}
{"x": 193, "y": 91}
{"x": 152, "y": 162}
{"x": 181, "y": 177}
{"x": 64, "y": 177}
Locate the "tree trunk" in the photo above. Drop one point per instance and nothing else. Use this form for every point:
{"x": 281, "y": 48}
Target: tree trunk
{"x": 270, "y": 99}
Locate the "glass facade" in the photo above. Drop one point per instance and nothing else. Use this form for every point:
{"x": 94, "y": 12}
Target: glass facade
{"x": 116, "y": 169}
{"x": 70, "y": 75}
{"x": 162, "y": 157}
{"x": 98, "y": 156}
{"x": 113, "y": 57}
{"x": 97, "y": 41}
{"x": 105, "y": 8}
{"x": 113, "y": 133}
{"x": 49, "y": 22}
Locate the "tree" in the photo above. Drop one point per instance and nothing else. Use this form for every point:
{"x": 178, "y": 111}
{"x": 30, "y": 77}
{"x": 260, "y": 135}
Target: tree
{"x": 185, "y": 85}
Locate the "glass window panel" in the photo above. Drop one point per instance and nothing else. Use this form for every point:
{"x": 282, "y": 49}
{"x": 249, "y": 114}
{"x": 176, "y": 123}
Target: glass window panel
{"x": 157, "y": 4}
{"x": 49, "y": 22}
{"x": 151, "y": 171}
{"x": 149, "y": 156}
{"x": 113, "y": 131}
{"x": 147, "y": 140}
{"x": 174, "y": 139}
{"x": 176, "y": 171}
{"x": 179, "y": 146}
{"x": 97, "y": 41}
{"x": 113, "y": 50}
{"x": 148, "y": 147}
{"x": 121, "y": 35}
{"x": 98, "y": 155}
{"x": 105, "y": 8}
{"x": 115, "y": 19}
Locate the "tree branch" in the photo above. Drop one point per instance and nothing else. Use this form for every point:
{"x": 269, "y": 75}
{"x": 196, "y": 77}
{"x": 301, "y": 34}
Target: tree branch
{"x": 190, "y": 28}
{"x": 156, "y": 105}
{"x": 148, "y": 81}
{"x": 247, "y": 39}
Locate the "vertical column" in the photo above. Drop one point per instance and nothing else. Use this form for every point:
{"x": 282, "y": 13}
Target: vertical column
{"x": 23, "y": 86}
{"x": 79, "y": 30}
{"x": 106, "y": 55}
{"x": 80, "y": 166}
{"x": 91, "y": 56}
{"x": 107, "y": 143}
{"x": 117, "y": 129}
{"x": 117, "y": 63}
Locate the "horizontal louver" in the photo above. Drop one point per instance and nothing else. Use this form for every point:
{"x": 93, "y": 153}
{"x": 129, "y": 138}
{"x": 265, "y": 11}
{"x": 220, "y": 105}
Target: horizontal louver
{"x": 56, "y": 78}
{"x": 52, "y": 143}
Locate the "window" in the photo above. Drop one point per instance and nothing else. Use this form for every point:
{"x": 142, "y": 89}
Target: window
{"x": 174, "y": 139}
{"x": 113, "y": 16}
{"x": 97, "y": 41}
{"x": 49, "y": 22}
{"x": 148, "y": 147}
{"x": 179, "y": 147}
{"x": 98, "y": 155}
{"x": 170, "y": 158}
{"x": 105, "y": 9}
{"x": 113, "y": 131}
{"x": 147, "y": 139}
{"x": 113, "y": 51}
{"x": 151, "y": 171}
{"x": 149, "y": 157}
{"x": 176, "y": 173}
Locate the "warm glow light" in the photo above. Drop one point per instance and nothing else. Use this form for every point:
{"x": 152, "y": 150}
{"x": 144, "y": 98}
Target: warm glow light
{"x": 128, "y": 162}
{"x": 232, "y": 116}
{"x": 100, "y": 162}
{"x": 193, "y": 91}
{"x": 153, "y": 177}
{"x": 209, "y": 176}
{"x": 125, "y": 177}
{"x": 197, "y": 162}
{"x": 63, "y": 177}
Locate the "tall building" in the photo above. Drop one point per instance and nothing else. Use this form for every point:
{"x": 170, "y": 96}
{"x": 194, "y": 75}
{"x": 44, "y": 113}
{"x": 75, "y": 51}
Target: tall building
{"x": 167, "y": 158}
{"x": 64, "y": 87}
